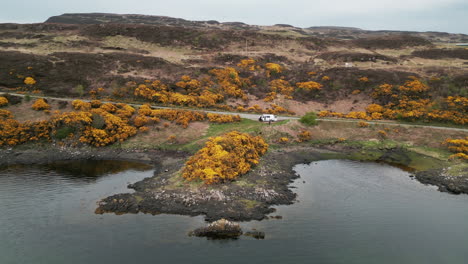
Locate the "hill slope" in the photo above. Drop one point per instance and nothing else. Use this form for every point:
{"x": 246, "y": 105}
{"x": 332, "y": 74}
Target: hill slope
{"x": 74, "y": 54}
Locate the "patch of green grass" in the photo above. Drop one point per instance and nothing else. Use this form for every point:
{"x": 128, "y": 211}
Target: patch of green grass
{"x": 138, "y": 198}
{"x": 374, "y": 144}
{"x": 423, "y": 162}
{"x": 64, "y": 132}
{"x": 273, "y": 146}
{"x": 460, "y": 169}
{"x": 245, "y": 125}
{"x": 177, "y": 181}
{"x": 282, "y": 122}
{"x": 436, "y": 153}
{"x": 250, "y": 204}
{"x": 420, "y": 158}
{"x": 68, "y": 38}
{"x": 244, "y": 183}
{"x": 191, "y": 147}
{"x": 327, "y": 141}
{"x": 435, "y": 124}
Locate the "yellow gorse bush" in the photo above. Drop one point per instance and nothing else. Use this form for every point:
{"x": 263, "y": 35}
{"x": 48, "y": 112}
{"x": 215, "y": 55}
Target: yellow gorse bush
{"x": 29, "y": 81}
{"x": 270, "y": 97}
{"x": 410, "y": 102}
{"x": 229, "y": 82}
{"x": 273, "y": 68}
{"x": 198, "y": 95}
{"x": 363, "y": 124}
{"x": 5, "y": 114}
{"x": 184, "y": 117}
{"x": 414, "y": 85}
{"x": 304, "y": 136}
{"x": 283, "y": 87}
{"x": 40, "y": 104}
{"x": 114, "y": 130}
{"x": 248, "y": 65}
{"x": 309, "y": 86}
{"x": 14, "y": 133}
{"x": 212, "y": 89}
{"x": 462, "y": 156}
{"x": 224, "y": 158}
{"x": 458, "y": 146}
{"x": 101, "y": 126}
{"x": 96, "y": 103}
{"x": 3, "y": 101}
{"x": 374, "y": 108}
{"x": 81, "y": 105}
{"x": 220, "y": 118}
{"x": 363, "y": 79}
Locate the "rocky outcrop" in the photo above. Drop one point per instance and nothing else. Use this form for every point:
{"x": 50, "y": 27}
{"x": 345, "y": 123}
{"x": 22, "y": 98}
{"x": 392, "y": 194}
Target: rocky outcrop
{"x": 221, "y": 229}
{"x": 444, "y": 181}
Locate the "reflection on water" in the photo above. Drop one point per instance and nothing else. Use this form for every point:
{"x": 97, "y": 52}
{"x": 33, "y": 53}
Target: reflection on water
{"x": 95, "y": 168}
{"x": 347, "y": 212}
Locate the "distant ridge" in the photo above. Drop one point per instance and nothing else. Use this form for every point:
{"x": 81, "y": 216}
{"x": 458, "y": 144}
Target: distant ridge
{"x": 335, "y": 28}
{"x": 335, "y": 32}
{"x": 106, "y": 18}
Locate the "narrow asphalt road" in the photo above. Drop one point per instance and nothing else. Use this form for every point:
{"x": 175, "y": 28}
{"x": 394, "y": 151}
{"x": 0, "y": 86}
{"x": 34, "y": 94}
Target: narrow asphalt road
{"x": 256, "y": 116}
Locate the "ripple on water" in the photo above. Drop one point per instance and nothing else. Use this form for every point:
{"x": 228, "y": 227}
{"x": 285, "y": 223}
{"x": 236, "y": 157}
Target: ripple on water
{"x": 347, "y": 212}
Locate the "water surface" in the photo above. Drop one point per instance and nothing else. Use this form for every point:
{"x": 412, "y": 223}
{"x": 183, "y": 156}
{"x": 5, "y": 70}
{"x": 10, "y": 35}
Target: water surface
{"x": 348, "y": 212}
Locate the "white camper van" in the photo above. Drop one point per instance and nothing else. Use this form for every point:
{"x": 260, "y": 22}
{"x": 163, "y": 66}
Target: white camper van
{"x": 267, "y": 118}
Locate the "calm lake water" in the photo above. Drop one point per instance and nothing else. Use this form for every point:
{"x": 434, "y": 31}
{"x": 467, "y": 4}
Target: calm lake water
{"x": 348, "y": 212}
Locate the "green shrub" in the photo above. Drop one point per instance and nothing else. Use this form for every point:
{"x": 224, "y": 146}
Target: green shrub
{"x": 309, "y": 119}
{"x": 64, "y": 132}
{"x": 79, "y": 89}
{"x": 98, "y": 121}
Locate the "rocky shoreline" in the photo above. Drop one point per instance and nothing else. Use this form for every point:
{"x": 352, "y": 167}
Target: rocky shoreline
{"x": 50, "y": 154}
{"x": 444, "y": 181}
{"x": 249, "y": 198}
{"x": 252, "y": 196}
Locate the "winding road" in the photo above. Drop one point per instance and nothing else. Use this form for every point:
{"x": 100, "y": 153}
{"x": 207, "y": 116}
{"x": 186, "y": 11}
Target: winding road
{"x": 255, "y": 116}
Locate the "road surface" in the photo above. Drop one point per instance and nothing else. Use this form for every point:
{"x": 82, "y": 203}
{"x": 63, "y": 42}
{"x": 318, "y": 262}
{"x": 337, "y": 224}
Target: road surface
{"x": 256, "y": 116}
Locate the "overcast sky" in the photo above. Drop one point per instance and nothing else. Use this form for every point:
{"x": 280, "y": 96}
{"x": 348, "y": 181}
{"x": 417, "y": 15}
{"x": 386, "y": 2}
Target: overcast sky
{"x": 419, "y": 15}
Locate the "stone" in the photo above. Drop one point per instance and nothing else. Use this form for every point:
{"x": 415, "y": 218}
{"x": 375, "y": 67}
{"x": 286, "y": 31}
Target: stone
{"x": 256, "y": 234}
{"x": 221, "y": 229}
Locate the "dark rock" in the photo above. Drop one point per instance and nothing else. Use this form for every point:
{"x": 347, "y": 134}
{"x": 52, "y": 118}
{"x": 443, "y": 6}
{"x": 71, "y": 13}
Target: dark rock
{"x": 438, "y": 177}
{"x": 396, "y": 156}
{"x": 255, "y": 234}
{"x": 276, "y": 217}
{"x": 221, "y": 229}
